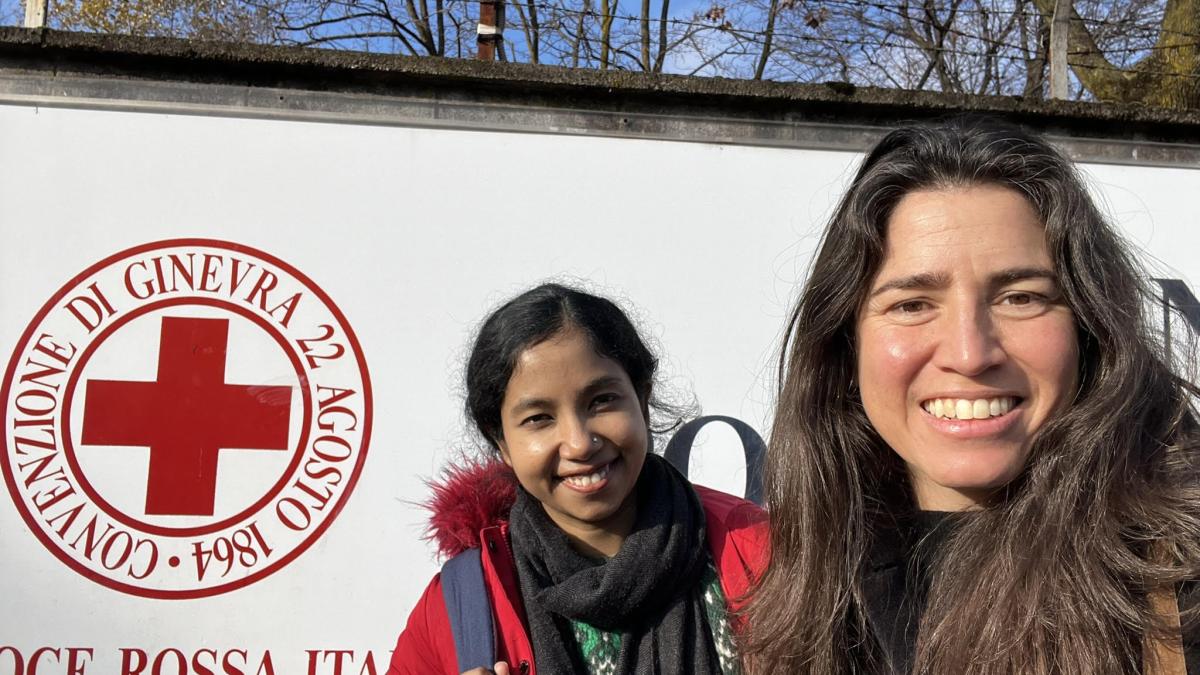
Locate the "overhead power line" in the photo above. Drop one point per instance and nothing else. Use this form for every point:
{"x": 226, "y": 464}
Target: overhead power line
{"x": 759, "y": 35}
{"x": 924, "y": 21}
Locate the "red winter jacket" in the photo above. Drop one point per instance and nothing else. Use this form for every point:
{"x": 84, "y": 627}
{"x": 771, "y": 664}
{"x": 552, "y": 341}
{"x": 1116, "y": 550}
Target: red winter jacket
{"x": 482, "y": 495}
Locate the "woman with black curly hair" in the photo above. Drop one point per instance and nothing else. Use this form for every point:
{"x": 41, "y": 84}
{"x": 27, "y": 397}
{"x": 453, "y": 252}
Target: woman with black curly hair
{"x": 599, "y": 557}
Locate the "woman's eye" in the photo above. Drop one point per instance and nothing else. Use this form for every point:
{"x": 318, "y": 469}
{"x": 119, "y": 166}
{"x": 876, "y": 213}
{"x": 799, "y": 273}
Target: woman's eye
{"x": 604, "y": 399}
{"x": 1022, "y": 299}
{"x": 910, "y": 307}
{"x": 540, "y": 418}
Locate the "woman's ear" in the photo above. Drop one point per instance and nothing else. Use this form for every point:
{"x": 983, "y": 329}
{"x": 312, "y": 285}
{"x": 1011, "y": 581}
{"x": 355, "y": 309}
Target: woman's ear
{"x": 503, "y": 447}
{"x": 644, "y": 403}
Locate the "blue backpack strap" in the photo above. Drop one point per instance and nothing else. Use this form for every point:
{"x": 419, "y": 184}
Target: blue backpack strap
{"x": 470, "y": 610}
{"x": 679, "y": 450}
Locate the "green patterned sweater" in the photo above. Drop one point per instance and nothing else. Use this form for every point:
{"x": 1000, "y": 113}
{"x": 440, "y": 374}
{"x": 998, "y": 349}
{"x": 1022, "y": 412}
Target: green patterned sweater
{"x": 601, "y": 650}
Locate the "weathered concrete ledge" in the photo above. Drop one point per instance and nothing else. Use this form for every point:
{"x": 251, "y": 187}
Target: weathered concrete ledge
{"x": 49, "y": 67}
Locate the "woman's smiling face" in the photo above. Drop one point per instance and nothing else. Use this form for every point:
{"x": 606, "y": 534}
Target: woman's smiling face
{"x": 965, "y": 347}
{"x": 576, "y": 436}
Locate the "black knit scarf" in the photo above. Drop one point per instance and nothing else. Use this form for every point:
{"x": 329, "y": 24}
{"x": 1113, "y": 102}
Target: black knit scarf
{"x": 649, "y": 592}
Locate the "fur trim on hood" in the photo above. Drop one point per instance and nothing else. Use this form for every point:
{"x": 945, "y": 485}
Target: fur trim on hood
{"x": 468, "y": 497}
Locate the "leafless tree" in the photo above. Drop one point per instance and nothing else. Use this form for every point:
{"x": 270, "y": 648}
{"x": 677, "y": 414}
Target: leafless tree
{"x": 1120, "y": 52}
{"x": 417, "y": 27}
{"x": 200, "y": 19}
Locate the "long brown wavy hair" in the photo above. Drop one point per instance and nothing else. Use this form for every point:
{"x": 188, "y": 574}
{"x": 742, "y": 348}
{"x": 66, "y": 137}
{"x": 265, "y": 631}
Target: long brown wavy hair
{"x": 1052, "y": 575}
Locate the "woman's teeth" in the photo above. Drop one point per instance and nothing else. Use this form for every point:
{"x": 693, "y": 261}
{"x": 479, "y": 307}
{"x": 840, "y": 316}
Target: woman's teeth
{"x": 969, "y": 409}
{"x": 588, "y": 479}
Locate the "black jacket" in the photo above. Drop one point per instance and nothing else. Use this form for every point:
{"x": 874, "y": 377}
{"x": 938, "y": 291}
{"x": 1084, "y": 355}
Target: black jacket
{"x": 895, "y": 597}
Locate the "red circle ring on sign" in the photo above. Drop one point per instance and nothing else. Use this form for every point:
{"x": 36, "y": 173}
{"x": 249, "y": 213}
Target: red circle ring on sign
{"x": 160, "y": 530}
{"x": 10, "y": 478}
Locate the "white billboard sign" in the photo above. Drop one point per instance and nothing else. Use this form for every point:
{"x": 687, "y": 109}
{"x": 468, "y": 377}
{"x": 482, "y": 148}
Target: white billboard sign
{"x": 320, "y": 282}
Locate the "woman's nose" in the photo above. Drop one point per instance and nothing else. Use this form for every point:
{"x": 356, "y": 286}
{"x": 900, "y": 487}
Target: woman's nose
{"x": 578, "y": 442}
{"x": 968, "y": 343}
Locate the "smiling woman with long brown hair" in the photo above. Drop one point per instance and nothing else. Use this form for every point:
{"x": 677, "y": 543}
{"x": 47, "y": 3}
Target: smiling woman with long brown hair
{"x": 981, "y": 460}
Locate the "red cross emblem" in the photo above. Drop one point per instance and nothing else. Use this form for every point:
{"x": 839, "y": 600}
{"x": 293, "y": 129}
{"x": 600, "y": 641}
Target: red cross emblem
{"x": 187, "y": 416}
{"x": 235, "y": 474}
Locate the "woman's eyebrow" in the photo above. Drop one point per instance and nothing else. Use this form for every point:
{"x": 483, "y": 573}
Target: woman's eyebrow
{"x": 532, "y": 403}
{"x": 602, "y": 383}
{"x": 921, "y": 281}
{"x": 934, "y": 280}
{"x": 529, "y": 404}
{"x": 1014, "y": 274}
